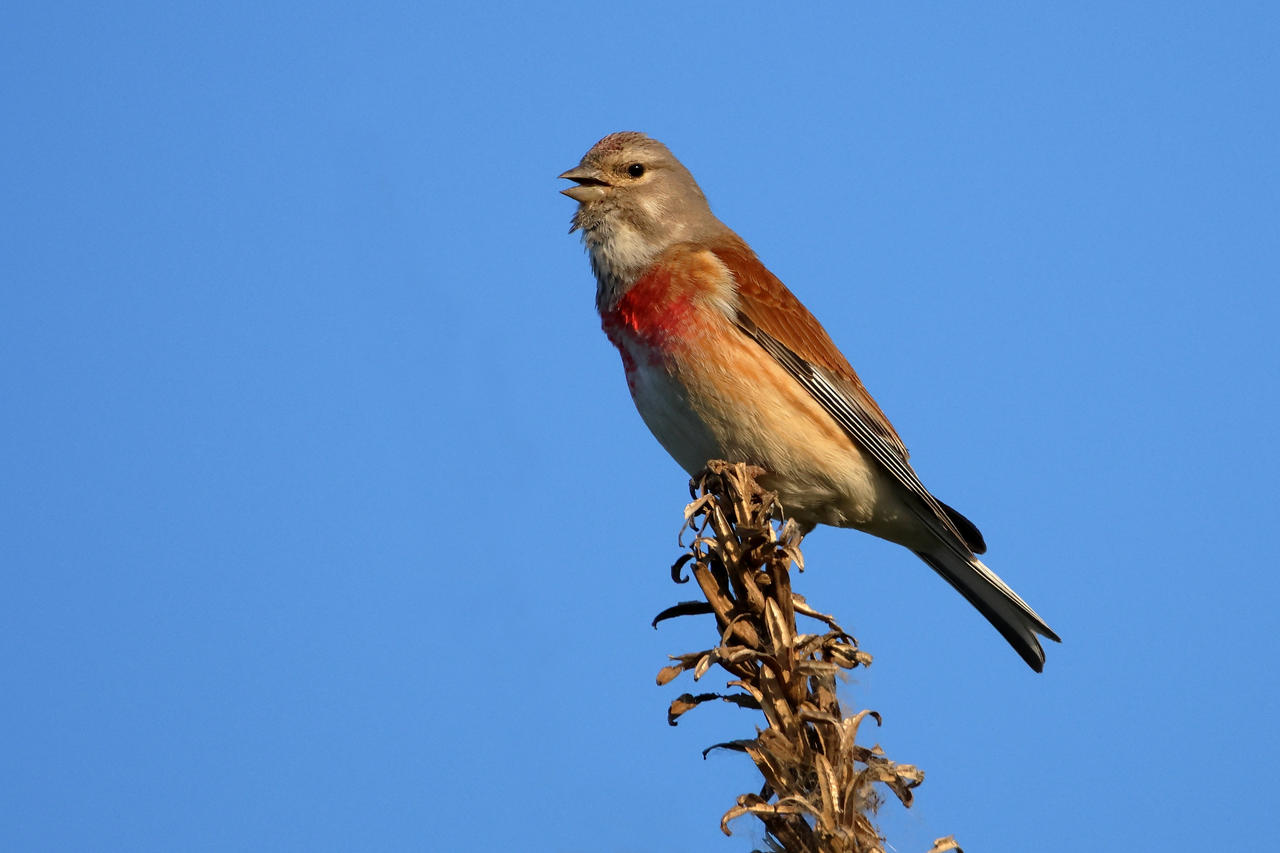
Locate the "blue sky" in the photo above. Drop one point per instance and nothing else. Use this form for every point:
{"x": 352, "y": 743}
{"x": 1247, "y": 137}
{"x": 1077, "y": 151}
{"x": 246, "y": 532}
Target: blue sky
{"x": 326, "y": 522}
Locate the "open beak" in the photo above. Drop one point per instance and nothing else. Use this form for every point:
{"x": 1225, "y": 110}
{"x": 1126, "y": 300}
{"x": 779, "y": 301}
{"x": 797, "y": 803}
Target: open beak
{"x": 591, "y": 185}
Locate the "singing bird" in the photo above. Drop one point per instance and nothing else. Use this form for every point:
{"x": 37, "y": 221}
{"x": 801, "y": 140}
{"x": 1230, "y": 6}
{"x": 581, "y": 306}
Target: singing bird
{"x": 724, "y": 362}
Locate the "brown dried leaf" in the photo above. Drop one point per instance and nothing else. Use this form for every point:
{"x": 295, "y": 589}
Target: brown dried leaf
{"x": 683, "y": 662}
{"x": 734, "y": 745}
{"x": 827, "y": 788}
{"x": 669, "y": 673}
{"x": 676, "y": 574}
{"x": 684, "y": 608}
{"x": 749, "y": 687}
{"x": 752, "y": 804}
{"x": 743, "y": 700}
{"x": 810, "y": 714}
{"x": 781, "y": 634}
{"x": 687, "y": 702}
{"x": 818, "y": 668}
{"x": 847, "y": 657}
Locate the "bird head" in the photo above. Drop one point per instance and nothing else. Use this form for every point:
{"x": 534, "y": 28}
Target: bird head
{"x": 635, "y": 201}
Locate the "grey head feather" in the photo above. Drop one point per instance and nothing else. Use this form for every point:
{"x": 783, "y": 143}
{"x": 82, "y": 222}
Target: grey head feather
{"x": 646, "y": 202}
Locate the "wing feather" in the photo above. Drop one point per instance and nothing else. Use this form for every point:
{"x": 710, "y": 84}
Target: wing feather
{"x": 775, "y": 310}
{"x": 770, "y": 314}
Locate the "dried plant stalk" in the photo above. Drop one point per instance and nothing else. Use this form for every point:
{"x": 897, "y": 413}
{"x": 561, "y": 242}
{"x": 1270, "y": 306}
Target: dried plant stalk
{"x": 821, "y": 787}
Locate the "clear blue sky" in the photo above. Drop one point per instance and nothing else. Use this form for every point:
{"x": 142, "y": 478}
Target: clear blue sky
{"x": 326, "y": 522}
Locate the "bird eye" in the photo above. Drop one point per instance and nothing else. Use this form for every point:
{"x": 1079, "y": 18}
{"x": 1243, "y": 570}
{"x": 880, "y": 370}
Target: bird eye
{"x": 635, "y": 170}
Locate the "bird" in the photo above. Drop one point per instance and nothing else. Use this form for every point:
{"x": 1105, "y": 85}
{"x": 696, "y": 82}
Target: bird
{"x": 724, "y": 362}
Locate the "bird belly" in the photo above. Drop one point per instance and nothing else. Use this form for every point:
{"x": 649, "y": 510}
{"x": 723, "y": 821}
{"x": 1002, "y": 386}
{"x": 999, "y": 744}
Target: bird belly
{"x": 727, "y": 399}
{"x": 664, "y": 405}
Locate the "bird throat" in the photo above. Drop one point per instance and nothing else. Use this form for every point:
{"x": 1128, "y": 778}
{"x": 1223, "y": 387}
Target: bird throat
{"x": 619, "y": 255}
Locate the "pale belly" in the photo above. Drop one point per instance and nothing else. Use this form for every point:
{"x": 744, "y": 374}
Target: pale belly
{"x": 664, "y": 404}
{"x": 706, "y": 411}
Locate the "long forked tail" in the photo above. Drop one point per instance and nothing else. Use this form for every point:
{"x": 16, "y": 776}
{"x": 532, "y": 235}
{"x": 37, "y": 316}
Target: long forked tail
{"x": 1010, "y": 615}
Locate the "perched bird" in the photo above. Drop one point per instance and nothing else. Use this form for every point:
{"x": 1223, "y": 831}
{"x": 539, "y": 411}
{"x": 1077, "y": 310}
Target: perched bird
{"x": 723, "y": 362}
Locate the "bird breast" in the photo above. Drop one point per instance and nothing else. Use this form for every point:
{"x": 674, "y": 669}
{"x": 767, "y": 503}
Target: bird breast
{"x": 707, "y": 391}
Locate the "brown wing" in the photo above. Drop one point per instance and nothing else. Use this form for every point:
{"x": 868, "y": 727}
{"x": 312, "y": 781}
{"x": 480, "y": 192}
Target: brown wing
{"x": 787, "y": 331}
{"x": 767, "y": 303}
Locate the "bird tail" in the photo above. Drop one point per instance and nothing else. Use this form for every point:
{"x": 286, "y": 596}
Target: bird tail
{"x": 1010, "y": 615}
